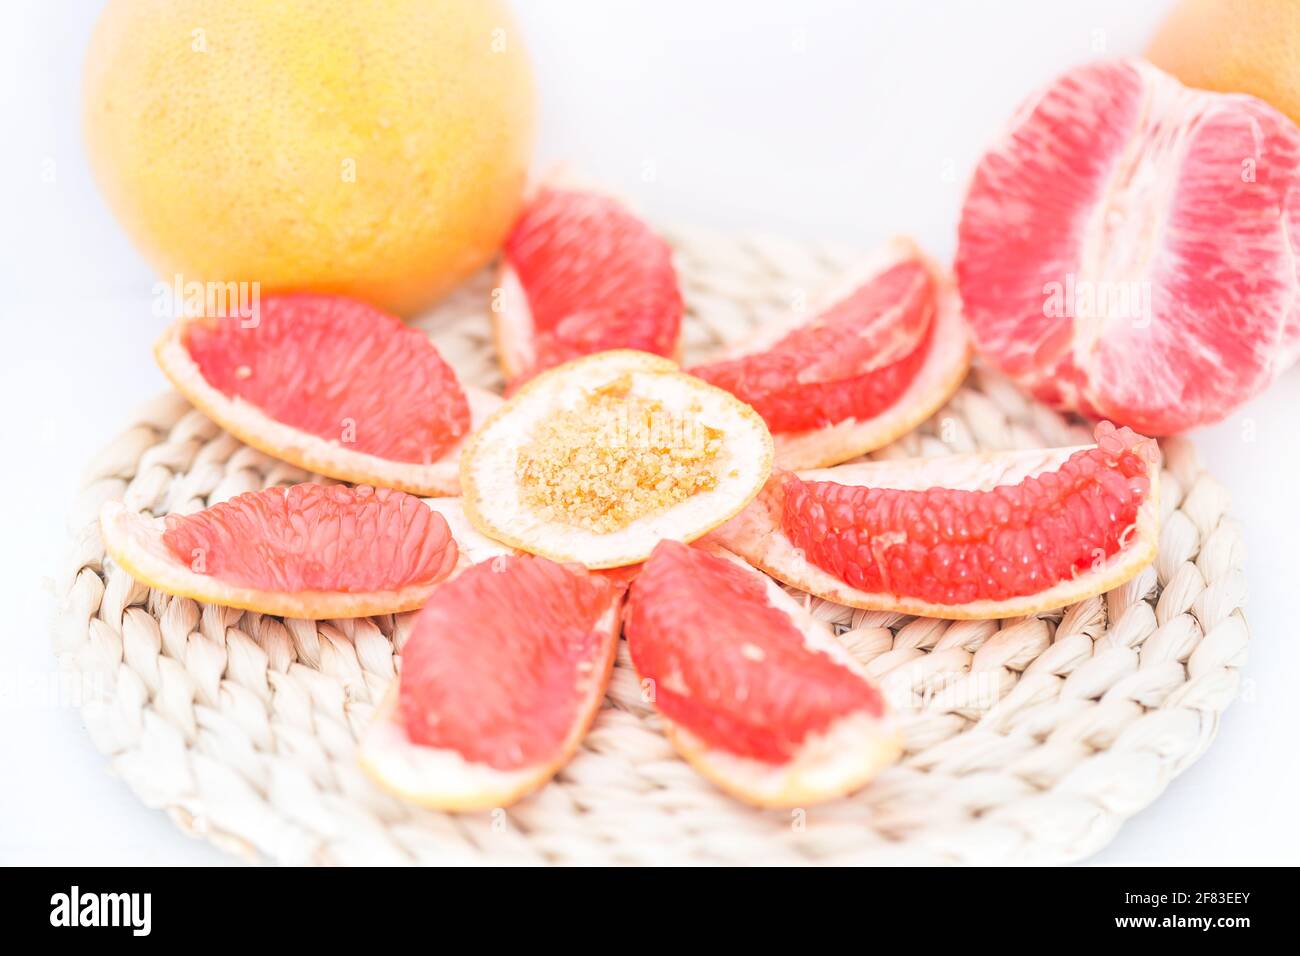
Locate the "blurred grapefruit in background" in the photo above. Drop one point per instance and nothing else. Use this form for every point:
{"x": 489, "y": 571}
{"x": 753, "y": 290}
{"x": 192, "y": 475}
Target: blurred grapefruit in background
{"x": 1234, "y": 46}
{"x": 373, "y": 149}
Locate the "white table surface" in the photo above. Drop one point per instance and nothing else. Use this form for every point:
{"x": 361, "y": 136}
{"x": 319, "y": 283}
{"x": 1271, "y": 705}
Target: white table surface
{"x": 852, "y": 121}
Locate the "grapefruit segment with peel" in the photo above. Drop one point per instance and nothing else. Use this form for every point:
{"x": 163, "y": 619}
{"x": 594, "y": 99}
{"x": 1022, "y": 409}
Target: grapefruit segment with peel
{"x": 599, "y": 459}
{"x": 582, "y": 274}
{"x": 307, "y": 551}
{"x": 965, "y": 536}
{"x": 755, "y": 692}
{"x": 1127, "y": 248}
{"x": 502, "y": 674}
{"x": 884, "y": 349}
{"x": 330, "y": 385}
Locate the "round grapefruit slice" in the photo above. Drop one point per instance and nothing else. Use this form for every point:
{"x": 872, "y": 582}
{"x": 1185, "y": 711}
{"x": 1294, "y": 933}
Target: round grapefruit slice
{"x": 964, "y": 536}
{"x": 331, "y": 385}
{"x": 1127, "y": 249}
{"x": 308, "y": 551}
{"x": 598, "y": 460}
{"x": 755, "y": 692}
{"x": 884, "y": 351}
{"x": 503, "y": 672}
{"x": 582, "y": 274}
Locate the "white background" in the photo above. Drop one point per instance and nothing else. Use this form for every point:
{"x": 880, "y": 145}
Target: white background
{"x": 852, "y": 121}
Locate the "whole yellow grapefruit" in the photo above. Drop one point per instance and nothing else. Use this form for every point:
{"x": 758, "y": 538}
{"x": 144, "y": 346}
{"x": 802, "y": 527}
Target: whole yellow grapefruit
{"x": 376, "y": 149}
{"x": 1234, "y": 46}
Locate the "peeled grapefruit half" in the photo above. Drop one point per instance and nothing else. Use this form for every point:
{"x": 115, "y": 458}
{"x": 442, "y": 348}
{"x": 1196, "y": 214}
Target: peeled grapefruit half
{"x": 308, "y": 551}
{"x": 331, "y": 385}
{"x": 580, "y": 274}
{"x": 1128, "y": 247}
{"x": 965, "y": 536}
{"x": 756, "y": 693}
{"x": 502, "y": 674}
{"x": 598, "y": 460}
{"x": 881, "y": 353}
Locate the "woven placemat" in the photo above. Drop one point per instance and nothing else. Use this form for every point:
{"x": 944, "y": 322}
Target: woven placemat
{"x": 1027, "y": 740}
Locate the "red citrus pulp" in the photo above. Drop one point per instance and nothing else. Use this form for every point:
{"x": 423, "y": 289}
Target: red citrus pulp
{"x": 995, "y": 535}
{"x": 502, "y": 674}
{"x": 752, "y": 686}
{"x": 882, "y": 354}
{"x": 1128, "y": 247}
{"x": 309, "y": 550}
{"x": 332, "y": 385}
{"x": 582, "y": 274}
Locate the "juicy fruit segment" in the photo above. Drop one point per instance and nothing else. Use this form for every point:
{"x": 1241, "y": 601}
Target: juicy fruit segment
{"x": 338, "y": 369}
{"x": 733, "y": 668}
{"x": 616, "y": 457}
{"x": 332, "y": 386}
{"x": 884, "y": 353}
{"x": 503, "y": 673}
{"x": 753, "y": 688}
{"x": 583, "y": 275}
{"x": 316, "y": 538}
{"x": 851, "y": 361}
{"x": 310, "y": 551}
{"x": 501, "y": 658}
{"x": 990, "y": 535}
{"x": 599, "y": 459}
{"x": 951, "y": 547}
{"x": 1127, "y": 248}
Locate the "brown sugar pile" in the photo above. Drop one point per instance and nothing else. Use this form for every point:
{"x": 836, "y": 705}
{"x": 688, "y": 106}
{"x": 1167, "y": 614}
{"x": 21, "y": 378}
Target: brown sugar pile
{"x": 614, "y": 458}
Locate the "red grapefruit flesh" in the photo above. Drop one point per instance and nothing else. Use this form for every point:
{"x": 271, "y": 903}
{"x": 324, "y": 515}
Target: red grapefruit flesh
{"x": 1128, "y": 248}
{"x": 757, "y": 694}
{"x": 501, "y": 676}
{"x": 311, "y": 551}
{"x": 331, "y": 385}
{"x": 969, "y": 536}
{"x": 582, "y": 274}
{"x": 886, "y": 350}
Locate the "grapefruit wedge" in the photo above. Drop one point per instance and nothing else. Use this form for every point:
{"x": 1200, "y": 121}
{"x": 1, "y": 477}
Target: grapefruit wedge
{"x": 503, "y": 672}
{"x": 598, "y": 460}
{"x": 884, "y": 350}
{"x": 308, "y": 551}
{"x": 581, "y": 274}
{"x": 1127, "y": 248}
{"x": 755, "y": 693}
{"x": 965, "y": 536}
{"x": 330, "y": 385}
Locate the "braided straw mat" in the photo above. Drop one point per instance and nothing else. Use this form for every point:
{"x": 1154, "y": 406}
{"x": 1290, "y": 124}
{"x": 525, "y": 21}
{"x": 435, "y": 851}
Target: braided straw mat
{"x": 1026, "y": 741}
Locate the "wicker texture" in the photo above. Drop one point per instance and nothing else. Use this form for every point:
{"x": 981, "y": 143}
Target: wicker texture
{"x": 1028, "y": 740}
